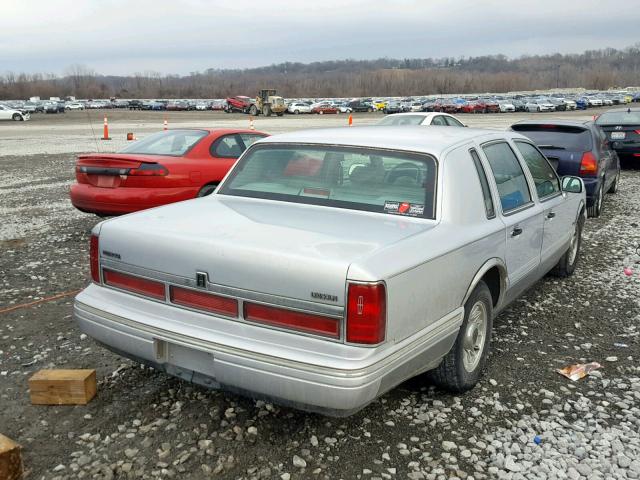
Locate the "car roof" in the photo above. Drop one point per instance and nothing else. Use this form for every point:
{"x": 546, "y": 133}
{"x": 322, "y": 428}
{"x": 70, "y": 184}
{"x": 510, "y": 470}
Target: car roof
{"x": 426, "y": 139}
{"x": 623, "y": 110}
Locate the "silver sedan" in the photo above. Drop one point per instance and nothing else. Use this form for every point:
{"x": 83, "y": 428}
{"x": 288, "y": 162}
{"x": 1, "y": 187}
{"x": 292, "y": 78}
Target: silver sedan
{"x": 331, "y": 265}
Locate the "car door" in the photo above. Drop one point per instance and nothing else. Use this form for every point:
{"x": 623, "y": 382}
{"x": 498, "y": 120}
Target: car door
{"x": 557, "y": 213}
{"x": 519, "y": 211}
{"x": 4, "y": 113}
{"x": 608, "y": 155}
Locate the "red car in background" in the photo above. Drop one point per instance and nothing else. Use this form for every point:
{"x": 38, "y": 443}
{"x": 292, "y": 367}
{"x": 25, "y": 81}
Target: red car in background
{"x": 324, "y": 108}
{"x": 166, "y": 167}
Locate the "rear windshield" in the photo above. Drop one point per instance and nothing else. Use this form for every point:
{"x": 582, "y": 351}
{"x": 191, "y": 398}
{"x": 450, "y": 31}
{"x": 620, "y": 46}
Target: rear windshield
{"x": 402, "y": 120}
{"x": 168, "y": 142}
{"x": 619, "y": 118}
{"x": 396, "y": 183}
{"x": 557, "y": 137}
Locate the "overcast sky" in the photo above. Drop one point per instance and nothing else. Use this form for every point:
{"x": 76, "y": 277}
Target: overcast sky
{"x": 180, "y": 36}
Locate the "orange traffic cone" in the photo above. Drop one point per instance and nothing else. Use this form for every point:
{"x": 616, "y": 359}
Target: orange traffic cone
{"x": 350, "y": 120}
{"x": 166, "y": 124}
{"x": 105, "y": 132}
{"x": 251, "y": 127}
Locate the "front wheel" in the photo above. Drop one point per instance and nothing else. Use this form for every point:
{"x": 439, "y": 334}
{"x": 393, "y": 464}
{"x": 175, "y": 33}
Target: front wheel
{"x": 16, "y": 117}
{"x": 568, "y": 262}
{"x": 462, "y": 367}
{"x": 253, "y": 111}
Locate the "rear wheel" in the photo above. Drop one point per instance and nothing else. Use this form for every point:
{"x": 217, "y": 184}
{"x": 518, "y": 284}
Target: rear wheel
{"x": 207, "y": 190}
{"x": 296, "y": 112}
{"x": 461, "y": 368}
{"x": 567, "y": 263}
{"x": 266, "y": 111}
{"x": 253, "y": 111}
{"x": 595, "y": 210}
{"x": 614, "y": 186}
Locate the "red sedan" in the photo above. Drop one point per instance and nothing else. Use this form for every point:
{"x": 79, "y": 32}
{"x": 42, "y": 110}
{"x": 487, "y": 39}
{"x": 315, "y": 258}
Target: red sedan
{"x": 324, "y": 108}
{"x": 166, "y": 167}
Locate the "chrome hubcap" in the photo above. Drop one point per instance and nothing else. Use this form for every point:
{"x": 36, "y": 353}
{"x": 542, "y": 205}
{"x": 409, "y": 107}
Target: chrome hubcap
{"x": 474, "y": 337}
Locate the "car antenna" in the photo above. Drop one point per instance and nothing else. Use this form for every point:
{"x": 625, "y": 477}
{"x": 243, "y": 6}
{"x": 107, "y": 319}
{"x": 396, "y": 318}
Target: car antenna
{"x": 95, "y": 139}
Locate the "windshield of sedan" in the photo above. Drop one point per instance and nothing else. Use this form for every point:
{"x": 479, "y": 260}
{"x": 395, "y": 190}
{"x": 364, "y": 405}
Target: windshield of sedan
{"x": 558, "y": 137}
{"x": 619, "y": 118}
{"x": 168, "y": 142}
{"x": 402, "y": 120}
{"x": 396, "y": 183}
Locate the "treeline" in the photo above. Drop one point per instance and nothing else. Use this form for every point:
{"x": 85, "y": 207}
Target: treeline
{"x": 593, "y": 69}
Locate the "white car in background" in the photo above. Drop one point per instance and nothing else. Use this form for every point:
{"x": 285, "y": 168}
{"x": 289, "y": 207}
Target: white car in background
{"x": 506, "y": 107}
{"x": 539, "y": 106}
{"x": 74, "y": 106}
{"x": 7, "y": 113}
{"x": 594, "y": 101}
{"x": 421, "y": 118}
{"x": 343, "y": 107}
{"x": 571, "y": 105}
{"x": 299, "y": 107}
{"x": 416, "y": 107}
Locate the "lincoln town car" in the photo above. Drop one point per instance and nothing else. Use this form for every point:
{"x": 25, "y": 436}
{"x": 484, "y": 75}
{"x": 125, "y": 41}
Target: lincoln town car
{"x": 331, "y": 265}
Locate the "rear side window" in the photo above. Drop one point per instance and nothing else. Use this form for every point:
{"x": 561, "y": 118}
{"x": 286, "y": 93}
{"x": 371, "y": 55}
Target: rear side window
{"x": 557, "y": 137}
{"x": 509, "y": 176}
{"x": 438, "y": 120}
{"x": 484, "y": 184}
{"x": 544, "y": 176}
{"x": 228, "y": 146}
{"x": 402, "y": 120}
{"x": 452, "y": 122}
{"x": 249, "y": 138}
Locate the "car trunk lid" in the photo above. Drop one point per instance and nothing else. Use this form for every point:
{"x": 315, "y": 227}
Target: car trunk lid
{"x": 277, "y": 249}
{"x": 109, "y": 170}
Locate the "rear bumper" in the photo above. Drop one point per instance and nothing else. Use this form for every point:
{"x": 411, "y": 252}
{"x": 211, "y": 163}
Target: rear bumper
{"x": 118, "y": 201}
{"x": 316, "y": 382}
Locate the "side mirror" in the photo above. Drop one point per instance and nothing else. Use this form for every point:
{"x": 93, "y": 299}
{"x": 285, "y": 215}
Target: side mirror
{"x": 572, "y": 184}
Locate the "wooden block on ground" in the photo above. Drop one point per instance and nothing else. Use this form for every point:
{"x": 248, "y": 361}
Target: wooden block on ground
{"x": 62, "y": 387}
{"x": 10, "y": 459}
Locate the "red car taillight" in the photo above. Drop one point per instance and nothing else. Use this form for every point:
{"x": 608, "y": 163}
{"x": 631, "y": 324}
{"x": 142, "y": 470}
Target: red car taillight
{"x": 94, "y": 258}
{"x": 149, "y": 170}
{"x": 637, "y": 131}
{"x": 134, "y": 284}
{"x": 588, "y": 164}
{"x": 281, "y": 317}
{"x": 204, "y": 301}
{"x": 366, "y": 313}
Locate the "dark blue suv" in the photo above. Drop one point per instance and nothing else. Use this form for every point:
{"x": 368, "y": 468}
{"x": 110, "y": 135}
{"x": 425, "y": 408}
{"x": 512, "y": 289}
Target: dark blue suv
{"x": 577, "y": 148}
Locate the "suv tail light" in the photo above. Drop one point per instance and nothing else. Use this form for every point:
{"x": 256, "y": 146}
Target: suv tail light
{"x": 637, "y": 132}
{"x": 366, "y": 313}
{"x": 94, "y": 258}
{"x": 149, "y": 170}
{"x": 588, "y": 164}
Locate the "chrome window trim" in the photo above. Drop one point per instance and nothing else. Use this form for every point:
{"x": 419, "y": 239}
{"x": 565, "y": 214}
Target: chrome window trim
{"x": 478, "y": 164}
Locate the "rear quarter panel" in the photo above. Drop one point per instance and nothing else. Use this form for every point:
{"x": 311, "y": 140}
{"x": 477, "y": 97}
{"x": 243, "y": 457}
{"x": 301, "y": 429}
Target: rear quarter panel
{"x": 428, "y": 275}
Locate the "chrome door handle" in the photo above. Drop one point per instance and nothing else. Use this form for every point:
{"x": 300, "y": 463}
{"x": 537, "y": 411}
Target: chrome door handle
{"x": 516, "y": 231}
{"x": 551, "y": 214}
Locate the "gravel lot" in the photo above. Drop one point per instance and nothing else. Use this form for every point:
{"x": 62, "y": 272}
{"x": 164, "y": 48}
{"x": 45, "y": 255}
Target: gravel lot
{"x": 522, "y": 421}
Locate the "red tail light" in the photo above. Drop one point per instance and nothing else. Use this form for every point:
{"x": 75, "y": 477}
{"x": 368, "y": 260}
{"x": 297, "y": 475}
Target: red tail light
{"x": 588, "y": 164}
{"x": 281, "y": 317}
{"x": 204, "y": 301}
{"x": 366, "y": 313}
{"x": 637, "y": 131}
{"x": 149, "y": 170}
{"x": 134, "y": 284}
{"x": 94, "y": 258}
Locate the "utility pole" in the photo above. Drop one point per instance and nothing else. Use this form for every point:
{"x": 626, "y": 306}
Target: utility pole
{"x": 557, "y": 76}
